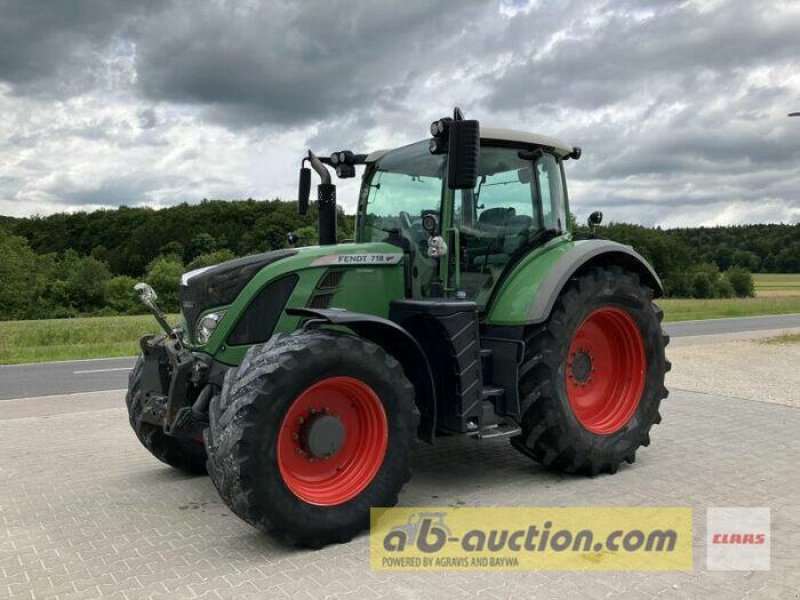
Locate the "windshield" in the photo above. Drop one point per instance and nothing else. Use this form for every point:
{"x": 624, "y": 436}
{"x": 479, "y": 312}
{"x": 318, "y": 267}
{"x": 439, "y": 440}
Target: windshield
{"x": 404, "y": 185}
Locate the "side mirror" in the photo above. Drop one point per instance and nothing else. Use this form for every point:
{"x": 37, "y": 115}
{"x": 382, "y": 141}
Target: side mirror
{"x": 464, "y": 154}
{"x": 594, "y": 220}
{"x": 303, "y": 190}
{"x": 430, "y": 223}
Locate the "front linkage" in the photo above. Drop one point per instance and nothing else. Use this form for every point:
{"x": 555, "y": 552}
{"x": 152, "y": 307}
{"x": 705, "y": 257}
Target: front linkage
{"x": 176, "y": 385}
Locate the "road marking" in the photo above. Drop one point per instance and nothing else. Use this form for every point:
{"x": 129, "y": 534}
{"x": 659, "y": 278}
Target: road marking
{"x": 100, "y": 370}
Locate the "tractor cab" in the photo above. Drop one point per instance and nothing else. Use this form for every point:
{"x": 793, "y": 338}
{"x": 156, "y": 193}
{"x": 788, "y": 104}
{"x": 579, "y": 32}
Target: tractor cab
{"x": 458, "y": 240}
{"x": 519, "y": 201}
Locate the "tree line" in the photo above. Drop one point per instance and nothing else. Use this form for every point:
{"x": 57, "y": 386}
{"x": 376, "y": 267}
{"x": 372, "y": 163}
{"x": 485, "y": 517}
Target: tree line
{"x": 83, "y": 263}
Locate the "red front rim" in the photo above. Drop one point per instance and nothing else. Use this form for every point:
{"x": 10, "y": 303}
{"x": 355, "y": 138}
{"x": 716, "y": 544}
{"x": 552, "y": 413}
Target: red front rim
{"x": 327, "y": 481}
{"x": 605, "y": 371}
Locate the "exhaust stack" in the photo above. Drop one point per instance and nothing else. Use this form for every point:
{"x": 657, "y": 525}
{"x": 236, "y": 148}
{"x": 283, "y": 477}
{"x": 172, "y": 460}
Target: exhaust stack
{"x": 326, "y": 197}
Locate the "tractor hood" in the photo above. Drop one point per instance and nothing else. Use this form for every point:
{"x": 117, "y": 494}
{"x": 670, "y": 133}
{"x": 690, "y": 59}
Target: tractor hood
{"x": 220, "y": 284}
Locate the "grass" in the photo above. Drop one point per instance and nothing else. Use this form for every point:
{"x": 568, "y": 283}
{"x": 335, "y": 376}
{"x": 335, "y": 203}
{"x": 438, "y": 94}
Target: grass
{"x": 777, "y": 284}
{"x": 786, "y": 338}
{"x": 72, "y": 339}
{"x": 686, "y": 309}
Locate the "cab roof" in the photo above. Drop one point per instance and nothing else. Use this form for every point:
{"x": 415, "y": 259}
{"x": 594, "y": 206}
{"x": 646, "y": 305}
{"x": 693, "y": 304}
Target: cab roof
{"x": 505, "y": 135}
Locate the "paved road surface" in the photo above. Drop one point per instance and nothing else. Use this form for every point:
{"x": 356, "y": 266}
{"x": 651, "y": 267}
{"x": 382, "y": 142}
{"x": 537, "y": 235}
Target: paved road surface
{"x": 88, "y": 513}
{"x": 44, "y": 379}
{"x": 737, "y": 325}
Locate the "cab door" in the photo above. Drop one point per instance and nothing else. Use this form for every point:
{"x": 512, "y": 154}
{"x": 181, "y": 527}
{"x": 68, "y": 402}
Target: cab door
{"x": 515, "y": 199}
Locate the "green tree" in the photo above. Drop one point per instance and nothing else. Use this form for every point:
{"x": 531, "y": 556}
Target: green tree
{"x": 203, "y": 243}
{"x": 120, "y": 296}
{"x": 741, "y": 282}
{"x": 18, "y": 276}
{"x": 212, "y": 258}
{"x": 164, "y": 274}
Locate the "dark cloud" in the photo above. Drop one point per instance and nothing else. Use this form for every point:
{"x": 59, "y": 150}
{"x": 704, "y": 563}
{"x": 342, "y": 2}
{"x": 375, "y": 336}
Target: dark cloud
{"x": 668, "y": 49}
{"x": 293, "y": 63}
{"x": 679, "y": 106}
{"x": 57, "y": 48}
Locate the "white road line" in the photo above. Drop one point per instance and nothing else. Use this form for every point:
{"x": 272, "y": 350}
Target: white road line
{"x": 100, "y": 371}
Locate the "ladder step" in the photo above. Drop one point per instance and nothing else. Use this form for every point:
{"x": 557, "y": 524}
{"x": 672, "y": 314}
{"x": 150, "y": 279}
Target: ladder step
{"x": 496, "y": 431}
{"x": 492, "y": 392}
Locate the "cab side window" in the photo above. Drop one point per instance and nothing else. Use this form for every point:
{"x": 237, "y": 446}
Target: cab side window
{"x": 554, "y": 213}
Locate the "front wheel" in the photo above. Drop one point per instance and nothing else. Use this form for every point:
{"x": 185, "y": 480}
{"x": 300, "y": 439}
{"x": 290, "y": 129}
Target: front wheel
{"x": 309, "y": 432}
{"x": 593, "y": 376}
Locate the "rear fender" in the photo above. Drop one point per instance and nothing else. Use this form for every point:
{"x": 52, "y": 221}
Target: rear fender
{"x": 527, "y": 295}
{"x": 400, "y": 344}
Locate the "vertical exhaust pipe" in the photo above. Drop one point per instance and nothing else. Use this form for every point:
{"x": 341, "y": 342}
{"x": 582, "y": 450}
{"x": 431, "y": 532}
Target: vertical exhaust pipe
{"x": 326, "y": 197}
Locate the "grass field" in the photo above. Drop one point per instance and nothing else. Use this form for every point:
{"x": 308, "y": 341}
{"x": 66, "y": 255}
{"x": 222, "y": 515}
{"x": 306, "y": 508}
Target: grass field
{"x": 687, "y": 309}
{"x": 777, "y": 284}
{"x": 68, "y": 339}
{"x": 103, "y": 337}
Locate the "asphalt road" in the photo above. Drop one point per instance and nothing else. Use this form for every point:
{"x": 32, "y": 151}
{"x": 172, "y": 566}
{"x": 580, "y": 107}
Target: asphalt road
{"x": 46, "y": 379}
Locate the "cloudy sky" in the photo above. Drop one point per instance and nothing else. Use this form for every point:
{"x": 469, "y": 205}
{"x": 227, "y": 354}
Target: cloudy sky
{"x": 680, "y": 107}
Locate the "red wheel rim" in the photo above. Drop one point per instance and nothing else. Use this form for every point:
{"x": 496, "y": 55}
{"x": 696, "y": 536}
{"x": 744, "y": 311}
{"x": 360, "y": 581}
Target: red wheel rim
{"x": 327, "y": 481}
{"x": 605, "y": 371}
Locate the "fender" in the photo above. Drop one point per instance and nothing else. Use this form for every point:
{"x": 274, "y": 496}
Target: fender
{"x": 396, "y": 341}
{"x": 528, "y": 294}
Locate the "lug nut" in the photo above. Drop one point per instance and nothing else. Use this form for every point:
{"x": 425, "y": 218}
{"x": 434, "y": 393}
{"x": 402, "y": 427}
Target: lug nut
{"x": 298, "y": 450}
{"x": 300, "y": 420}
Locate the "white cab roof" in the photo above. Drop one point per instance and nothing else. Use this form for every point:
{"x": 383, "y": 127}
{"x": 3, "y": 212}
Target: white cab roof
{"x": 506, "y": 135}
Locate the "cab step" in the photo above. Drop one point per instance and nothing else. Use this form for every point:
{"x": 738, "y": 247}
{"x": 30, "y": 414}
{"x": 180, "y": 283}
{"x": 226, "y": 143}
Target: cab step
{"x": 496, "y": 431}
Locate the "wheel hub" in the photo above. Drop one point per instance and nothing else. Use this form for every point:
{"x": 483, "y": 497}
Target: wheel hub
{"x": 581, "y": 367}
{"x": 322, "y": 436}
{"x": 332, "y": 441}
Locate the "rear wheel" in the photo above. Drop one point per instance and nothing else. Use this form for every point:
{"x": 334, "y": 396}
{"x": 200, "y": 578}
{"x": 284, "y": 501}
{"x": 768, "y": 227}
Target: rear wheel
{"x": 593, "y": 376}
{"x": 183, "y": 454}
{"x": 311, "y": 431}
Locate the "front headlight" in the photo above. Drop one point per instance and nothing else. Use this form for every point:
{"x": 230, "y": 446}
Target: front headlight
{"x": 207, "y": 325}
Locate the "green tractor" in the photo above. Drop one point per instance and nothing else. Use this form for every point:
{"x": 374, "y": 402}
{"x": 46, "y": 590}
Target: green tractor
{"x": 465, "y": 305}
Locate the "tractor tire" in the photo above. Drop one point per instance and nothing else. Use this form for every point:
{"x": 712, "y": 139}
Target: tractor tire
{"x": 308, "y": 433}
{"x": 592, "y": 378}
{"x": 185, "y": 455}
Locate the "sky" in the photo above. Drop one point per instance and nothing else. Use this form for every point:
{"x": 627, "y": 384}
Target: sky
{"x": 680, "y": 107}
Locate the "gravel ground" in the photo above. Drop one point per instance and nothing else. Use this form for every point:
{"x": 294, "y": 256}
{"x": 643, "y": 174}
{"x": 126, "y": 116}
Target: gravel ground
{"x": 737, "y": 365}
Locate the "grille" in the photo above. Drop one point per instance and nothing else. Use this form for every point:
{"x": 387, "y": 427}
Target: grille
{"x": 321, "y": 301}
{"x": 258, "y": 322}
{"x": 331, "y": 279}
